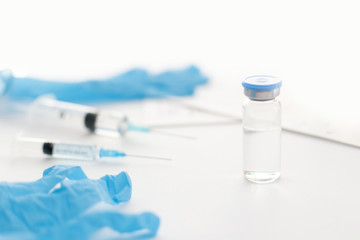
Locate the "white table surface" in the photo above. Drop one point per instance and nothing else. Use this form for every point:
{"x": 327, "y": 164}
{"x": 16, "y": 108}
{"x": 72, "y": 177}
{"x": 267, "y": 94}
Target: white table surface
{"x": 201, "y": 193}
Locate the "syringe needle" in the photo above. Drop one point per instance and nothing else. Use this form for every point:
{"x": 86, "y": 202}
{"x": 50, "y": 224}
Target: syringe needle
{"x": 109, "y": 153}
{"x": 172, "y": 134}
{"x": 141, "y": 156}
{"x": 138, "y": 128}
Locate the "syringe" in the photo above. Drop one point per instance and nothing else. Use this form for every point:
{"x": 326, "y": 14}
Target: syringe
{"x": 108, "y": 123}
{"x": 38, "y": 147}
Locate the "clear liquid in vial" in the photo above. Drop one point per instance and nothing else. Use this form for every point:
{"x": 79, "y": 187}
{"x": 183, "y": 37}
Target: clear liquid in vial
{"x": 261, "y": 154}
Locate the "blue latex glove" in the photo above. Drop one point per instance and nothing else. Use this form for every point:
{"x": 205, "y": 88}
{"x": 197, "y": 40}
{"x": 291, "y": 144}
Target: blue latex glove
{"x": 57, "y": 207}
{"x": 132, "y": 85}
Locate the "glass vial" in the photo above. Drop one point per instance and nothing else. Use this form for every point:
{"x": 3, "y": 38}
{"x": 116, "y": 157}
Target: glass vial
{"x": 261, "y": 129}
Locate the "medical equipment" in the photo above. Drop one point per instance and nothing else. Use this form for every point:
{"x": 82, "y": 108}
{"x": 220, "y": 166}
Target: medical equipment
{"x": 65, "y": 199}
{"x": 131, "y": 85}
{"x": 38, "y": 147}
{"x": 106, "y": 123}
{"x": 261, "y": 129}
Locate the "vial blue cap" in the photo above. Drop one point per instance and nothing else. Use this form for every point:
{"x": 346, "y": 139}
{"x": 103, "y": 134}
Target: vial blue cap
{"x": 261, "y": 83}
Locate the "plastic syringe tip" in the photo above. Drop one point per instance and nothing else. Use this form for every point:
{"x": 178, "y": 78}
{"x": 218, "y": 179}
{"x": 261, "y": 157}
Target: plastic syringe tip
{"x": 137, "y": 128}
{"x": 110, "y": 153}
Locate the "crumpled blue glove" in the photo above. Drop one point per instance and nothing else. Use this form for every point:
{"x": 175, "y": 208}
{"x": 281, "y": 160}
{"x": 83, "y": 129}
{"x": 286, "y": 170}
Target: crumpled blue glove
{"x": 58, "y": 206}
{"x": 131, "y": 85}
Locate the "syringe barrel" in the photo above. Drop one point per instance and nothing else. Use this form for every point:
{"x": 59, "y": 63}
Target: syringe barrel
{"x": 109, "y": 123}
{"x": 28, "y": 147}
{"x": 60, "y": 106}
{"x": 36, "y": 147}
{"x": 75, "y": 151}
{"x": 64, "y": 112}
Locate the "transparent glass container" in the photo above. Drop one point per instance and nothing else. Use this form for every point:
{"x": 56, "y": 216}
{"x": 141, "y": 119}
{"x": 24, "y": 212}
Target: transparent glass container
{"x": 262, "y": 134}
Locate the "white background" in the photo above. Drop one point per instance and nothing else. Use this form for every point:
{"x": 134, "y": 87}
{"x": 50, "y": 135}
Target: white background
{"x": 311, "y": 45}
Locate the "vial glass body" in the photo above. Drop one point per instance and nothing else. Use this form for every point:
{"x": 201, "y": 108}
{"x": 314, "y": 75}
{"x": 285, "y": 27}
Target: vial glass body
{"x": 262, "y": 140}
